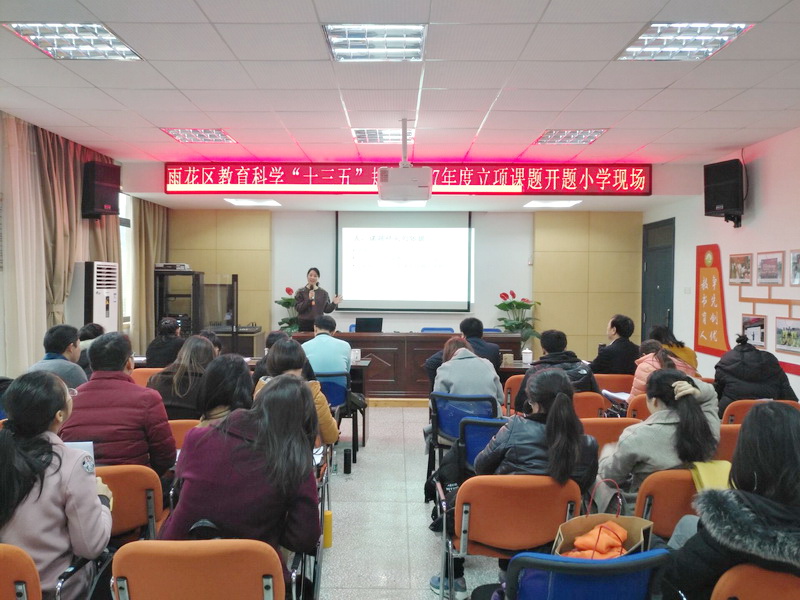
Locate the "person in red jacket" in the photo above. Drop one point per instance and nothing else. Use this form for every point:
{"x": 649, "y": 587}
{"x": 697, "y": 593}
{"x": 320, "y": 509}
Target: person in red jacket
{"x": 126, "y": 422}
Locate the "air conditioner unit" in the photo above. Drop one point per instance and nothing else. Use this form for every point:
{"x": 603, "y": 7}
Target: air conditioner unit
{"x": 405, "y": 183}
{"x": 94, "y": 297}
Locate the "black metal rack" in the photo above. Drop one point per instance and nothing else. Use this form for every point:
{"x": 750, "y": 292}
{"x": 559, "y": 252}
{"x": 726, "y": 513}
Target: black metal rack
{"x": 175, "y": 296}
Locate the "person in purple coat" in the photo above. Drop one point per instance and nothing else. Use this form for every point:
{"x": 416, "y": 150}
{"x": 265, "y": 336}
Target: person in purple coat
{"x": 252, "y": 474}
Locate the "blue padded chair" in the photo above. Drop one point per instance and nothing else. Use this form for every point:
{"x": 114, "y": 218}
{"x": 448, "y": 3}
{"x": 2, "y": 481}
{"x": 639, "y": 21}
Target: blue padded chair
{"x": 550, "y": 577}
{"x": 352, "y": 327}
{"x": 336, "y": 387}
{"x": 492, "y": 330}
{"x": 474, "y": 435}
{"x": 447, "y": 411}
{"x": 437, "y": 330}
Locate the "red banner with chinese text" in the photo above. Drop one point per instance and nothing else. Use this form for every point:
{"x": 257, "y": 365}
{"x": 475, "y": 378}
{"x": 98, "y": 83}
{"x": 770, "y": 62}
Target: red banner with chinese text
{"x": 351, "y": 178}
{"x": 709, "y": 314}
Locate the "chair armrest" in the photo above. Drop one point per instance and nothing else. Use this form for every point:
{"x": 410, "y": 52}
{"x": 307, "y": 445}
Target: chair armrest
{"x": 77, "y": 564}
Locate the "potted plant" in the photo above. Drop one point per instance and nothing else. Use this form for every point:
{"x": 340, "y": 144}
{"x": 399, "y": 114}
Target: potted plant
{"x": 289, "y": 323}
{"x": 519, "y": 316}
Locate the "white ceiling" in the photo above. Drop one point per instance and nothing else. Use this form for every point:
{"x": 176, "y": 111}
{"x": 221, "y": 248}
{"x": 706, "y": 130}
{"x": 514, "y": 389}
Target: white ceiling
{"x": 495, "y": 75}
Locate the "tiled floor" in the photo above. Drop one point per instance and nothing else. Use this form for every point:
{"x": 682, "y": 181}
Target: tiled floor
{"x": 382, "y": 547}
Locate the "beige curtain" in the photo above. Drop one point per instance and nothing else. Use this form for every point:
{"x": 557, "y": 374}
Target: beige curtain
{"x": 150, "y": 243}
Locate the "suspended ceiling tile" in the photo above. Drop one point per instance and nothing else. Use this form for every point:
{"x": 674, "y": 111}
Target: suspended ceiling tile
{"x": 590, "y": 41}
{"x": 141, "y": 100}
{"x": 179, "y": 118}
{"x": 433, "y": 153}
{"x": 110, "y": 118}
{"x": 369, "y": 11}
{"x": 227, "y": 152}
{"x": 146, "y": 11}
{"x": 277, "y": 152}
{"x": 135, "y": 134}
{"x": 205, "y": 75}
{"x": 762, "y": 99}
{"x": 640, "y": 74}
{"x": 330, "y": 152}
{"x": 304, "y": 100}
{"x": 450, "y": 119}
{"x": 495, "y": 152}
{"x": 693, "y": 100}
{"x": 474, "y": 11}
{"x": 66, "y": 98}
{"x": 467, "y": 74}
{"x": 275, "y": 42}
{"x": 740, "y": 74}
{"x": 535, "y": 100}
{"x": 555, "y": 75}
{"x": 264, "y": 119}
{"x": 313, "y": 120}
{"x": 509, "y": 136}
{"x": 259, "y": 11}
{"x": 765, "y": 41}
{"x": 291, "y": 74}
{"x": 27, "y": 11}
{"x": 380, "y": 152}
{"x": 444, "y": 136}
{"x": 725, "y": 119}
{"x": 173, "y": 41}
{"x": 172, "y": 151}
{"x": 721, "y": 11}
{"x": 607, "y": 153}
{"x": 611, "y": 100}
{"x": 588, "y": 119}
{"x": 379, "y": 76}
{"x": 476, "y": 42}
{"x": 380, "y": 100}
{"x": 523, "y": 120}
{"x": 479, "y": 100}
{"x": 390, "y": 119}
{"x": 549, "y": 153}
{"x": 785, "y": 118}
{"x": 46, "y": 116}
{"x": 126, "y": 75}
{"x": 657, "y": 118}
{"x": 323, "y": 136}
{"x": 619, "y": 11}
{"x": 789, "y": 78}
{"x": 34, "y": 73}
{"x": 252, "y": 135}
{"x": 227, "y": 100}
{"x": 637, "y": 137}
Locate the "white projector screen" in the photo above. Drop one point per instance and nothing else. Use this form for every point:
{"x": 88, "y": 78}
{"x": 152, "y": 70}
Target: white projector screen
{"x": 404, "y": 261}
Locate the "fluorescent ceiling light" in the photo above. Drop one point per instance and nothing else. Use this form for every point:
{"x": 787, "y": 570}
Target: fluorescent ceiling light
{"x": 375, "y": 42}
{"x": 570, "y": 136}
{"x": 247, "y": 202}
{"x": 682, "y": 41}
{"x": 551, "y": 203}
{"x": 402, "y": 203}
{"x": 382, "y": 136}
{"x": 199, "y": 136}
{"x": 74, "y": 41}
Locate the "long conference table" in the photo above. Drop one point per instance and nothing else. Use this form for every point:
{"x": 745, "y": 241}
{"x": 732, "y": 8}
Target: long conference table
{"x": 396, "y": 359}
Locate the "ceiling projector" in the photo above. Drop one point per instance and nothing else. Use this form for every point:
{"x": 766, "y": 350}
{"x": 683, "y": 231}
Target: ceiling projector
{"x": 404, "y": 183}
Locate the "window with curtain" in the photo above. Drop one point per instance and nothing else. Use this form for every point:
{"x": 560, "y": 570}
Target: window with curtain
{"x": 127, "y": 252}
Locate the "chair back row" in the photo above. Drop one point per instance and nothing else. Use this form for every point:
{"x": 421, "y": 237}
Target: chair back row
{"x": 737, "y": 410}
{"x": 142, "y": 375}
{"x": 138, "y": 503}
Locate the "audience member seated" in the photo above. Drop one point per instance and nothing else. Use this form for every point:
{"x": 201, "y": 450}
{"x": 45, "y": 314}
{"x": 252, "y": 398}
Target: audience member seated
{"x": 547, "y": 440}
{"x": 326, "y": 353}
{"x": 655, "y": 357}
{"x": 756, "y": 521}
{"x": 87, "y": 335}
{"x": 225, "y": 387}
{"x": 471, "y": 329}
{"x": 163, "y": 350}
{"x": 261, "y": 367}
{"x": 620, "y": 355}
{"x": 179, "y": 383}
{"x": 51, "y": 504}
{"x": 214, "y": 339}
{"x": 252, "y": 475}
{"x": 126, "y": 422}
{"x": 286, "y": 357}
{"x": 62, "y": 351}
{"x": 465, "y": 373}
{"x": 745, "y": 372}
{"x": 556, "y": 356}
{"x": 663, "y": 334}
{"x": 683, "y": 427}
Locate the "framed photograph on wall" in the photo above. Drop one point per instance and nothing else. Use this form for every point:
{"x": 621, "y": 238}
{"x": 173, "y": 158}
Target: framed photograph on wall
{"x": 755, "y": 328}
{"x": 794, "y": 267}
{"x": 770, "y": 268}
{"x": 787, "y": 335}
{"x": 740, "y": 270}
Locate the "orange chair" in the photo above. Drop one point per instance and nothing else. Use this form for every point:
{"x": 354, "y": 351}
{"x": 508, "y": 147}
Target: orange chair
{"x": 138, "y": 503}
{"x": 18, "y": 575}
{"x": 708, "y": 380}
{"x": 749, "y": 582}
{"x": 167, "y": 570}
{"x": 606, "y": 431}
{"x": 180, "y": 427}
{"x": 737, "y": 410}
{"x": 637, "y": 407}
{"x": 664, "y": 497}
{"x": 483, "y": 506}
{"x": 510, "y": 391}
{"x": 728, "y": 436}
{"x": 588, "y": 404}
{"x": 614, "y": 382}
{"x": 143, "y": 375}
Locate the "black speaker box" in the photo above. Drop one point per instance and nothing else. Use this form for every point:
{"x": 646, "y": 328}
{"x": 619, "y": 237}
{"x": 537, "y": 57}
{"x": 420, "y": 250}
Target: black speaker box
{"x": 724, "y": 188}
{"x": 101, "y": 186}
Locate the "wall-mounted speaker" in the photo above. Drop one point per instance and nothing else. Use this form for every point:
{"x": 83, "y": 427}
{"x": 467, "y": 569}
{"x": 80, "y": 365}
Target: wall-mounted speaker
{"x": 101, "y": 187}
{"x": 724, "y": 190}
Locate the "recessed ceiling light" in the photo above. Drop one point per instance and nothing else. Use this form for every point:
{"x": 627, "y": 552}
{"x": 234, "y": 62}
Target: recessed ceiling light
{"x": 74, "y": 41}
{"x": 551, "y": 203}
{"x": 199, "y": 136}
{"x": 382, "y": 136}
{"x": 375, "y": 42}
{"x": 402, "y": 203}
{"x": 682, "y": 41}
{"x": 570, "y": 136}
{"x": 248, "y": 202}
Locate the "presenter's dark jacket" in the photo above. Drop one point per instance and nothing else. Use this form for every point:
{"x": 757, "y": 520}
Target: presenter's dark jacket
{"x": 618, "y": 357}
{"x": 481, "y": 347}
{"x": 308, "y": 310}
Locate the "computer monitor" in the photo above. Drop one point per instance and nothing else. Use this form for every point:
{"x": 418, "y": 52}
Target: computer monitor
{"x": 369, "y": 324}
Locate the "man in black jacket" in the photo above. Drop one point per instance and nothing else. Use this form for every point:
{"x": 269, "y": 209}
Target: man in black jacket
{"x": 621, "y": 354}
{"x": 556, "y": 356}
{"x": 472, "y": 329}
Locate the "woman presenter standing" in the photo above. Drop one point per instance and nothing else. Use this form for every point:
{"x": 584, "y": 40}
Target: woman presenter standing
{"x": 313, "y": 301}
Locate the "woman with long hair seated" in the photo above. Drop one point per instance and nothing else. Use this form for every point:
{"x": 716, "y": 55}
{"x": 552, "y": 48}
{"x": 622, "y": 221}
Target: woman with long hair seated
{"x": 179, "y": 382}
{"x": 252, "y": 474}
{"x": 655, "y": 357}
{"x": 683, "y": 427}
{"x": 287, "y": 357}
{"x": 547, "y": 440}
{"x": 757, "y": 520}
{"x": 51, "y": 504}
{"x": 663, "y": 334}
{"x": 226, "y": 386}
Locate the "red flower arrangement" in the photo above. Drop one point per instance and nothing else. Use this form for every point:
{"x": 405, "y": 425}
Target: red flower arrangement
{"x": 517, "y": 316}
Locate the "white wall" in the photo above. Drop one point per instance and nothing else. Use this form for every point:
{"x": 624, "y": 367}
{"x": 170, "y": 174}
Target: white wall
{"x": 503, "y": 251}
{"x": 769, "y": 224}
